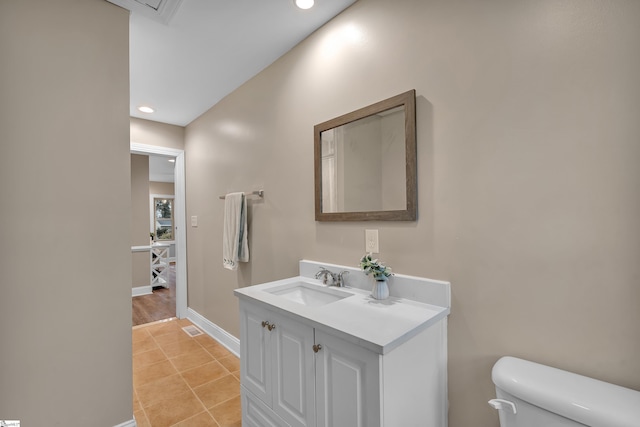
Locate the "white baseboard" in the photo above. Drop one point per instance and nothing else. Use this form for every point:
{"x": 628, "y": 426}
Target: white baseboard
{"x": 130, "y": 423}
{"x": 141, "y": 290}
{"x": 216, "y": 332}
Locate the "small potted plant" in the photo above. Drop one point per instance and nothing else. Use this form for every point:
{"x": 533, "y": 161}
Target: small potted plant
{"x": 380, "y": 273}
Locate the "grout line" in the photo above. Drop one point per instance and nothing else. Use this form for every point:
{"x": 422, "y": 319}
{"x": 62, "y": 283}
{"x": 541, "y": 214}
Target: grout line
{"x": 144, "y": 411}
{"x": 189, "y": 385}
{"x": 165, "y": 355}
{"x": 216, "y": 359}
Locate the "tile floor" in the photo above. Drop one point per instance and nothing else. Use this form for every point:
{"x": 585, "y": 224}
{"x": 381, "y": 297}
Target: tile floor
{"x": 183, "y": 381}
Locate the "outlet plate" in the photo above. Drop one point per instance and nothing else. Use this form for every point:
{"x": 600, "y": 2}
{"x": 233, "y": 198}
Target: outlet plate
{"x": 371, "y": 241}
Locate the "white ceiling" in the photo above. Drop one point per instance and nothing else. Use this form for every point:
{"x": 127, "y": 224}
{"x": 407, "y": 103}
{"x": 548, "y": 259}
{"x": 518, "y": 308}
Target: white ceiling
{"x": 209, "y": 48}
{"x": 161, "y": 169}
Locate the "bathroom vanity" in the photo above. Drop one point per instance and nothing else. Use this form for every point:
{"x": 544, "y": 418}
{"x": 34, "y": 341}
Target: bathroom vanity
{"x": 313, "y": 355}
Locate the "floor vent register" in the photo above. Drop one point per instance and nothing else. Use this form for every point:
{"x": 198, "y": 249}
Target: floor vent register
{"x": 192, "y": 331}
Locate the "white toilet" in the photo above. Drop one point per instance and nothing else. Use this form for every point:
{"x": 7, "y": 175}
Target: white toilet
{"x": 534, "y": 395}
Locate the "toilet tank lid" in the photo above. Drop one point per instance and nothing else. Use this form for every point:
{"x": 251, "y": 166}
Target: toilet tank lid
{"x": 579, "y": 398}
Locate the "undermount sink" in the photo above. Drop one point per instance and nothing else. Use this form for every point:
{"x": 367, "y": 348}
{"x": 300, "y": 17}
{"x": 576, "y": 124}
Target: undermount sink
{"x": 308, "y": 294}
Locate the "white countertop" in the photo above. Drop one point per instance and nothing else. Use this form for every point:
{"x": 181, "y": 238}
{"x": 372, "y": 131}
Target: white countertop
{"x": 379, "y": 326}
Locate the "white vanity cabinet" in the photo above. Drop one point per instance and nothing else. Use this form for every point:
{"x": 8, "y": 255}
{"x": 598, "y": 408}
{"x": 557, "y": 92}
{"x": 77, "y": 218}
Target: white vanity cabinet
{"x": 319, "y": 356}
{"x": 295, "y": 370}
{"x": 295, "y": 374}
{"x": 277, "y": 367}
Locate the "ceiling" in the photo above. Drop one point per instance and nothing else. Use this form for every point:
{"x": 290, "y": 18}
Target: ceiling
{"x": 186, "y": 55}
{"x": 161, "y": 169}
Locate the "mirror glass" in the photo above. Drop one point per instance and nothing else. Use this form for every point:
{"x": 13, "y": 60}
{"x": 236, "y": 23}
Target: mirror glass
{"x": 365, "y": 163}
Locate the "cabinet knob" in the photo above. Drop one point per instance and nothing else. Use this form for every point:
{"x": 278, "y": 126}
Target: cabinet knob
{"x": 268, "y": 325}
{"x": 317, "y": 348}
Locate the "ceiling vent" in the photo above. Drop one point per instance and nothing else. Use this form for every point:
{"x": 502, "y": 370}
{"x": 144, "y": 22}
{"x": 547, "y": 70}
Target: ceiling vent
{"x": 158, "y": 10}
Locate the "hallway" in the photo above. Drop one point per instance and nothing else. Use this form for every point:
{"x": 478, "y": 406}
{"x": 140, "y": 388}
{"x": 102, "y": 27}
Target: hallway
{"x": 159, "y": 305}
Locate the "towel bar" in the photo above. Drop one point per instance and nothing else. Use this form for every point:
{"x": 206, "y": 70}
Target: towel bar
{"x": 259, "y": 193}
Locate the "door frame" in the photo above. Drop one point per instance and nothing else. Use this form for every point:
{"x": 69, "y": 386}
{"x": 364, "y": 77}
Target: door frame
{"x": 180, "y": 218}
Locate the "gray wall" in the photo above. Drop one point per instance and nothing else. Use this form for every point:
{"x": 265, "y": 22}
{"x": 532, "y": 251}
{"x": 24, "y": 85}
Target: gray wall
{"x": 149, "y": 132}
{"x": 140, "y": 219}
{"x": 65, "y": 291}
{"x": 528, "y": 146}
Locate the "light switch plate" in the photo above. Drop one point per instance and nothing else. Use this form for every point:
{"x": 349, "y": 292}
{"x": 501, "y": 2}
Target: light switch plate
{"x": 371, "y": 241}
{"x": 194, "y": 221}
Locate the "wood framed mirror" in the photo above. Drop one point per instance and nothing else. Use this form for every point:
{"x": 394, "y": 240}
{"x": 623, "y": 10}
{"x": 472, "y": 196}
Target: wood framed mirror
{"x": 365, "y": 163}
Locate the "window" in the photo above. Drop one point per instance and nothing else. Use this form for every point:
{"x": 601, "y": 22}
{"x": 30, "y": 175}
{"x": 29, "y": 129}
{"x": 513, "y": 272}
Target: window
{"x": 163, "y": 217}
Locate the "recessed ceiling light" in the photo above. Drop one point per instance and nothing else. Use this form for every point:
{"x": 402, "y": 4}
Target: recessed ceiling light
{"x": 146, "y": 109}
{"x": 172, "y": 160}
{"x": 304, "y": 4}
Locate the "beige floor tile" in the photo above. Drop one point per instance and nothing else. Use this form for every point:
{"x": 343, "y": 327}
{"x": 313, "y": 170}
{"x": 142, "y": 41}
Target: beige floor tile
{"x": 141, "y": 419}
{"x": 232, "y": 363}
{"x": 146, "y": 358}
{"x": 136, "y": 402}
{"x": 169, "y": 365}
{"x": 152, "y": 373}
{"x": 203, "y": 374}
{"x": 174, "y": 409}
{"x": 174, "y": 349}
{"x": 144, "y": 344}
{"x": 191, "y": 360}
{"x": 184, "y": 322}
{"x": 138, "y": 334}
{"x": 206, "y": 340}
{"x": 177, "y": 335}
{"x": 217, "y": 350}
{"x": 159, "y": 390}
{"x": 162, "y": 328}
{"x": 228, "y": 414}
{"x": 213, "y": 346}
{"x": 203, "y": 419}
{"x": 215, "y": 392}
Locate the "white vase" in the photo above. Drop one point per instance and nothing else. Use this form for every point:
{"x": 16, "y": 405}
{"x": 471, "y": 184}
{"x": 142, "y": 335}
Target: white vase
{"x": 380, "y": 289}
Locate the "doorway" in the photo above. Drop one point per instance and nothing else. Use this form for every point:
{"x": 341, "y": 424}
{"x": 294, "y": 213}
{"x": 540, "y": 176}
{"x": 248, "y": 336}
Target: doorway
{"x": 179, "y": 220}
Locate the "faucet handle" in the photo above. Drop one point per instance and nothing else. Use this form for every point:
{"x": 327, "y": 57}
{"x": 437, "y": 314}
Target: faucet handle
{"x": 340, "y": 281}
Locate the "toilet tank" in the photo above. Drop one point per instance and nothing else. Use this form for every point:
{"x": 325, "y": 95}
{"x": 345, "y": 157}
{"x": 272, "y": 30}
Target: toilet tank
{"x": 534, "y": 395}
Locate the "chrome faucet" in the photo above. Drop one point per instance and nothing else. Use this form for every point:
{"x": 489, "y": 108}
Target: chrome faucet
{"x": 330, "y": 278}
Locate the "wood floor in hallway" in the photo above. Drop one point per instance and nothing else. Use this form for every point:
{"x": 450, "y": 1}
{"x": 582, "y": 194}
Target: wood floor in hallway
{"x": 159, "y": 305}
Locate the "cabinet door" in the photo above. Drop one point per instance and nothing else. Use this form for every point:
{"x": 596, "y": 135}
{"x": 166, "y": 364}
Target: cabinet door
{"x": 255, "y": 363}
{"x": 294, "y": 372}
{"x": 256, "y": 414}
{"x": 347, "y": 384}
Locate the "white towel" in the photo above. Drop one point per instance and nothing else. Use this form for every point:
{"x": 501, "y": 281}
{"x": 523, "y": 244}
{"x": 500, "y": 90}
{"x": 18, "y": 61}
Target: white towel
{"x": 234, "y": 239}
